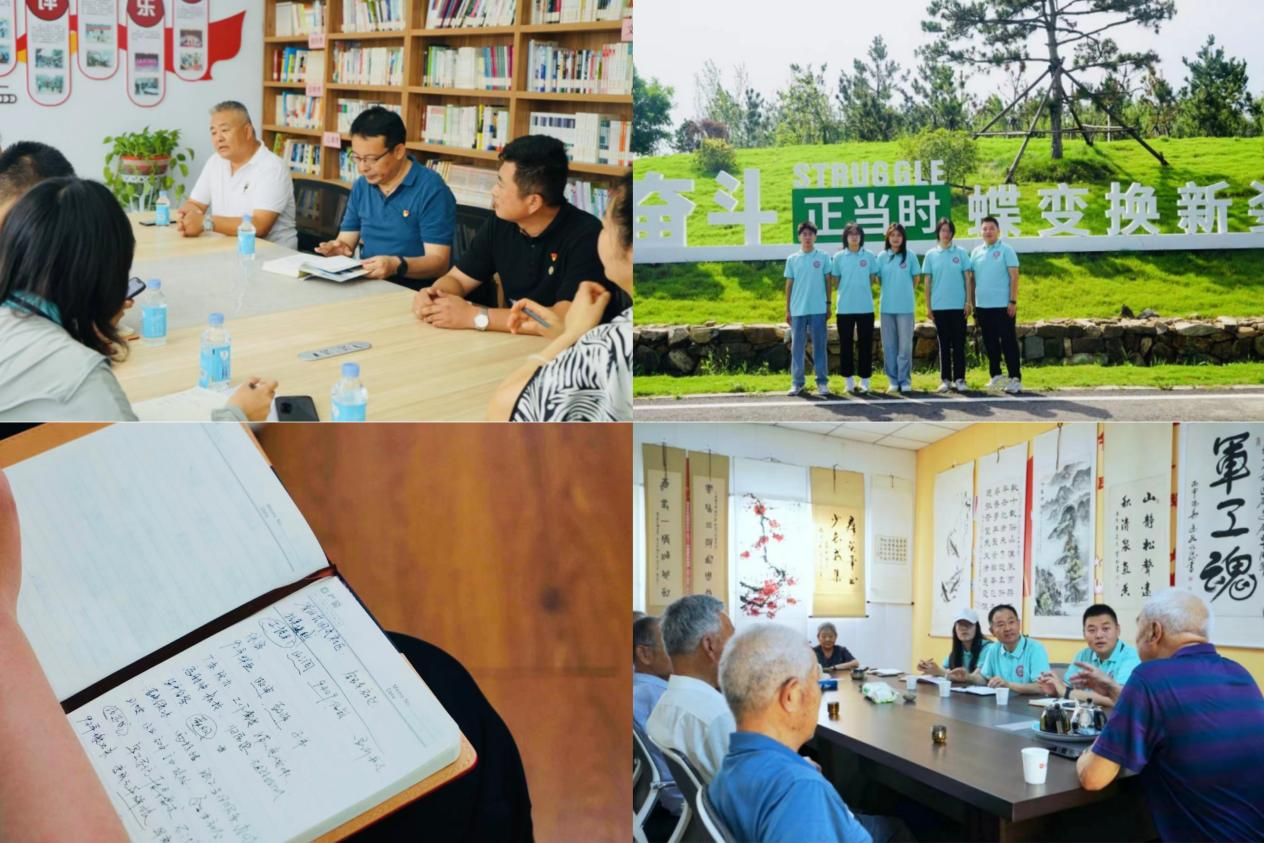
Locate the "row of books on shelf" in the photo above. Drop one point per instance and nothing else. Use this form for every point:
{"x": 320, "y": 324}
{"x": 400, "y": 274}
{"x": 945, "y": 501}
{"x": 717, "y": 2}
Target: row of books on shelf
{"x": 369, "y": 65}
{"x": 303, "y": 157}
{"x": 587, "y": 197}
{"x": 373, "y": 15}
{"x": 297, "y": 64}
{"x": 300, "y": 18}
{"x": 470, "y": 185}
{"x": 484, "y": 127}
{"x": 589, "y": 138}
{"x": 482, "y": 68}
{"x": 463, "y": 14}
{"x": 349, "y": 110}
{"x": 555, "y": 69}
{"x": 299, "y": 111}
{"x": 578, "y": 11}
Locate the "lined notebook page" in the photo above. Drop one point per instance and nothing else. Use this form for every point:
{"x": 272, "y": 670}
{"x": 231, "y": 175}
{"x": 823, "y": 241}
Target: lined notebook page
{"x": 281, "y": 727}
{"x": 133, "y": 537}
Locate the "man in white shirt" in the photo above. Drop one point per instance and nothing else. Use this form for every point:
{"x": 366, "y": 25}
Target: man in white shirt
{"x": 692, "y": 716}
{"x": 244, "y": 177}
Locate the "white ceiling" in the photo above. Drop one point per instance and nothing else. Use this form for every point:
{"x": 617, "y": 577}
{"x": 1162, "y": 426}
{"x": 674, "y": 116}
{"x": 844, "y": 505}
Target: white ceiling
{"x": 911, "y": 436}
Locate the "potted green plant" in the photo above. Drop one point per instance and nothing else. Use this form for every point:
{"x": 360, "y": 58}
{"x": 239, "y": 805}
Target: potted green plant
{"x": 147, "y": 162}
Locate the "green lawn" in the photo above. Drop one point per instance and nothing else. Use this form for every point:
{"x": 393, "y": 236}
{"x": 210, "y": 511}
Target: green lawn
{"x": 1034, "y": 378}
{"x": 1079, "y": 285}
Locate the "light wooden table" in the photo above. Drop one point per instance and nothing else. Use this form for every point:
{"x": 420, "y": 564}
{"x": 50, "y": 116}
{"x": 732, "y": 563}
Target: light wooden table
{"x": 414, "y": 372}
{"x": 201, "y": 275}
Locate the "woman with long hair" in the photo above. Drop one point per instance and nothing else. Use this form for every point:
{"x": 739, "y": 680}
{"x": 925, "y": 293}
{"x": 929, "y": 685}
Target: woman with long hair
{"x": 897, "y": 270}
{"x": 968, "y": 646}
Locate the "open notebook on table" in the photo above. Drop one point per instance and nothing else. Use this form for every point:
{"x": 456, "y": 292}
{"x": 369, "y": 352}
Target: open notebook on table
{"x": 224, "y": 681}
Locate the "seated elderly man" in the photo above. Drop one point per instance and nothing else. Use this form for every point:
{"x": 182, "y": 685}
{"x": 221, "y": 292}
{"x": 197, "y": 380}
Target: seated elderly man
{"x": 765, "y": 790}
{"x": 1189, "y": 721}
{"x": 651, "y": 668}
{"x": 691, "y": 716}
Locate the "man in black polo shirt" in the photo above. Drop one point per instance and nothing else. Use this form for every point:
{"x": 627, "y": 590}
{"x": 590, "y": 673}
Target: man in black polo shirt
{"x": 541, "y": 245}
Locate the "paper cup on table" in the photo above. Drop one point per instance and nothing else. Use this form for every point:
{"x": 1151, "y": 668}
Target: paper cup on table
{"x": 1035, "y": 765}
{"x": 944, "y": 687}
{"x": 910, "y": 683}
{"x": 1002, "y": 696}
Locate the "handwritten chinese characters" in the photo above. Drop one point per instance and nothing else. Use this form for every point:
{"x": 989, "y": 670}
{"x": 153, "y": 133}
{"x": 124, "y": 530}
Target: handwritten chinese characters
{"x": 998, "y": 531}
{"x": 664, "y": 470}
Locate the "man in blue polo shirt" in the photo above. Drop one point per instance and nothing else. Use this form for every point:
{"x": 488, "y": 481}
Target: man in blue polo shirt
{"x": 807, "y": 310}
{"x": 400, "y": 213}
{"x": 765, "y": 790}
{"x": 1014, "y": 661}
{"x": 1190, "y": 722}
{"x": 995, "y": 266}
{"x": 1105, "y": 652}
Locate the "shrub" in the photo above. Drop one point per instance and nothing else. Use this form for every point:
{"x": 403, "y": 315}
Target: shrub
{"x": 715, "y": 155}
{"x": 958, "y": 151}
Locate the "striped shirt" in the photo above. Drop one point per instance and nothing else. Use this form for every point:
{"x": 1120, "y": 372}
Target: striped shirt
{"x": 1192, "y": 725}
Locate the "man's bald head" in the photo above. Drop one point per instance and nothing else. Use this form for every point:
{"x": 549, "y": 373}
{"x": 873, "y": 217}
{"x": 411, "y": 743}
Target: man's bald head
{"x": 1169, "y": 620}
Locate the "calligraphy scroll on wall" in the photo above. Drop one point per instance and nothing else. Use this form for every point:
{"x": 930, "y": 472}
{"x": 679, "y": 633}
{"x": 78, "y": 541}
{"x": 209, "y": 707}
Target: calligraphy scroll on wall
{"x": 1063, "y": 538}
{"x": 1220, "y": 526}
{"x": 772, "y": 543}
{"x": 891, "y": 520}
{"x": 838, "y": 527}
{"x": 664, "y": 470}
{"x": 953, "y": 545}
{"x": 999, "y": 523}
{"x": 709, "y": 524}
{"x": 1136, "y": 549}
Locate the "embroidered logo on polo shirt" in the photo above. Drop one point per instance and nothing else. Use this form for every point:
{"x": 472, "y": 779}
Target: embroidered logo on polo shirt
{"x": 996, "y": 255}
{"x": 816, "y": 264}
{"x": 864, "y": 264}
{"x": 903, "y": 264}
{"x": 1019, "y": 671}
{"x": 956, "y": 260}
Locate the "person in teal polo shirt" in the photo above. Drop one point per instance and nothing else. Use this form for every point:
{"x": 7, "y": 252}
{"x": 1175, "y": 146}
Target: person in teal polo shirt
{"x": 1105, "y": 652}
{"x": 897, "y": 271}
{"x": 852, "y": 269}
{"x": 807, "y": 309}
{"x": 1015, "y": 661}
{"x": 995, "y": 267}
{"x": 949, "y": 278}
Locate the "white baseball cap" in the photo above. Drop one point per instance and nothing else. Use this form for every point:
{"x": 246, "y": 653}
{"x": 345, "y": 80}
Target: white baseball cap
{"x": 967, "y": 614}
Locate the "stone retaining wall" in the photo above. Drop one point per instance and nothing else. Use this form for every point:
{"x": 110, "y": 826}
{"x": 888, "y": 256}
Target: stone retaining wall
{"x": 677, "y": 349}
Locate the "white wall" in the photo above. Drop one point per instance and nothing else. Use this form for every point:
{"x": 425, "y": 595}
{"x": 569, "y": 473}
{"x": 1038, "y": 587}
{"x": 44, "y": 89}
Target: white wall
{"x": 884, "y": 638}
{"x": 96, "y": 109}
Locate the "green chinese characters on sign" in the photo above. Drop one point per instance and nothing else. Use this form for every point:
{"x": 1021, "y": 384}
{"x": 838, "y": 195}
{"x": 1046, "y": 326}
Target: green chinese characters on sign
{"x": 916, "y": 207}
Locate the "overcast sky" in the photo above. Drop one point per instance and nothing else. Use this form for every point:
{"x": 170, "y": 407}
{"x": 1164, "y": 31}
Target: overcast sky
{"x": 675, "y": 37}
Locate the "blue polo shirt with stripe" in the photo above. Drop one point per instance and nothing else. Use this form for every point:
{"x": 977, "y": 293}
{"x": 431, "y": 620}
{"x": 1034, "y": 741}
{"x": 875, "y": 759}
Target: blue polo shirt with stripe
{"x": 1119, "y": 664}
{"x": 1022, "y": 666}
{"x": 1192, "y": 726}
{"x": 421, "y": 210}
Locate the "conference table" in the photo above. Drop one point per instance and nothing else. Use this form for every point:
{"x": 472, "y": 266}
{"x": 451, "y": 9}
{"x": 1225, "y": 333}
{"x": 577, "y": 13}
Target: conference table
{"x": 413, "y": 371}
{"x": 976, "y": 777}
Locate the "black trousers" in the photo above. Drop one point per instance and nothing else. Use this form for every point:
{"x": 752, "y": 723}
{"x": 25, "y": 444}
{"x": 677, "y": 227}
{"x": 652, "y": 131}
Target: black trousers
{"x": 490, "y": 802}
{"x": 950, "y": 326}
{"x": 1000, "y": 334}
{"x": 861, "y": 325}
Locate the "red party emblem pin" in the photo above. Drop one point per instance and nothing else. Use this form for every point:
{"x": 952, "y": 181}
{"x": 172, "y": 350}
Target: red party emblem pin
{"x": 553, "y": 256}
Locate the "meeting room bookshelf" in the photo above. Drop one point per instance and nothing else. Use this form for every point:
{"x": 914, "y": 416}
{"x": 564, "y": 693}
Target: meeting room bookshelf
{"x": 413, "y": 96}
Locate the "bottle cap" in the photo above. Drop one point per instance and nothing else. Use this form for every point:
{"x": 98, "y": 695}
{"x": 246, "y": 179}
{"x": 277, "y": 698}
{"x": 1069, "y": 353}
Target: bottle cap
{"x": 351, "y": 370}
{"x": 216, "y": 319}
{"x": 245, "y": 217}
{"x": 153, "y": 284}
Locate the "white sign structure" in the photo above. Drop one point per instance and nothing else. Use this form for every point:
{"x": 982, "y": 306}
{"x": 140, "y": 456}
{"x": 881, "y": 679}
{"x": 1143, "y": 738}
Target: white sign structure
{"x": 1220, "y": 526}
{"x": 1136, "y": 531}
{"x": 1000, "y": 517}
{"x": 954, "y": 545}
{"x": 662, "y": 207}
{"x": 1063, "y": 514}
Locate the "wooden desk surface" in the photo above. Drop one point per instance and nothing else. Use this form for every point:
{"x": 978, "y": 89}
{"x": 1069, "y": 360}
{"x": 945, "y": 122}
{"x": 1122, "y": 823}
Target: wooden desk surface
{"x": 980, "y": 764}
{"x": 413, "y": 372}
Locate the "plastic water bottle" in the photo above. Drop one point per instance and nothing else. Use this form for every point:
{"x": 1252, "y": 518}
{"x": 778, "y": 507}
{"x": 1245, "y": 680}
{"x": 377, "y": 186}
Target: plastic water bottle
{"x": 162, "y": 209}
{"x": 217, "y": 353}
{"x": 153, "y": 314}
{"x": 349, "y": 397}
{"x": 246, "y": 247}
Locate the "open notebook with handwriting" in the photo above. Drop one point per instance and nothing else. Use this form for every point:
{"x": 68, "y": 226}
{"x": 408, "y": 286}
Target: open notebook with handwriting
{"x": 225, "y": 683}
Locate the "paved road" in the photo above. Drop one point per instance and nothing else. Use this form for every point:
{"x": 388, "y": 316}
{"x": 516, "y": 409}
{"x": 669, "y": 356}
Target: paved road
{"x": 1186, "y": 404}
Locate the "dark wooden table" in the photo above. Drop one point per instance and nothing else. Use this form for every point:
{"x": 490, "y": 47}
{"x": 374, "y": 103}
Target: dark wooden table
{"x": 976, "y": 777}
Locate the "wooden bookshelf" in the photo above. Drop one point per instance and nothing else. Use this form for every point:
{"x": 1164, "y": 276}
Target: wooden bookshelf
{"x": 413, "y": 95}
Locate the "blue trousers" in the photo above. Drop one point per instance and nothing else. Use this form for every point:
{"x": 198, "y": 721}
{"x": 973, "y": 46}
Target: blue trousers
{"x": 800, "y": 326}
{"x": 897, "y": 348}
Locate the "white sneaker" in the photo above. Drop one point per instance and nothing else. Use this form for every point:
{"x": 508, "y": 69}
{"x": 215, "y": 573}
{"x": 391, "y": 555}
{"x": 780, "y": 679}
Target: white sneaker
{"x": 893, "y": 389}
{"x": 998, "y": 382}
{"x": 823, "y": 391}
{"x": 960, "y": 386}
{"x": 1015, "y": 386}
{"x": 851, "y": 385}
{"x": 793, "y": 391}
{"x": 943, "y": 387}
{"x": 864, "y": 385}
{"x": 906, "y": 388}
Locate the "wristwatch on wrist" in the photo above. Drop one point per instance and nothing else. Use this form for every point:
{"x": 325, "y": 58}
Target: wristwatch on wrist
{"x": 402, "y": 272}
{"x": 1013, "y": 301}
{"x": 481, "y": 319}
{"x": 208, "y": 223}
{"x": 1066, "y": 692}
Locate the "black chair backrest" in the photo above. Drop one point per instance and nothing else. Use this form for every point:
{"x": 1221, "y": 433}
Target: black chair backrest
{"x": 719, "y": 829}
{"x": 318, "y": 210}
{"x": 690, "y": 783}
{"x": 643, "y": 785}
{"x": 469, "y": 219}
